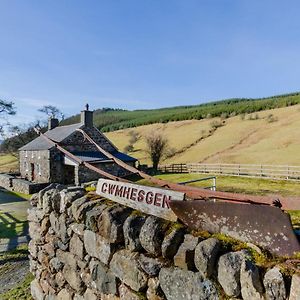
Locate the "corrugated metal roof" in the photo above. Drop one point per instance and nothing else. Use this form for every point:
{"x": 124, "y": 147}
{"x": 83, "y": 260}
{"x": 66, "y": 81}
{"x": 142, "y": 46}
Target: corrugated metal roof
{"x": 90, "y": 156}
{"x": 124, "y": 157}
{"x": 57, "y": 134}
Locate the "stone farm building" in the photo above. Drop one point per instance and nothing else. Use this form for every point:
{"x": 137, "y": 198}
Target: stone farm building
{"x": 41, "y": 162}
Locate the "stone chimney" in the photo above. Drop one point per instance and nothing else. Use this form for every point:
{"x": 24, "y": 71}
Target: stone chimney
{"x": 87, "y": 117}
{"x": 52, "y": 123}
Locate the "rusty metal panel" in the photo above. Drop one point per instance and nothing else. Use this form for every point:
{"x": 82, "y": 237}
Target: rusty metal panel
{"x": 266, "y": 226}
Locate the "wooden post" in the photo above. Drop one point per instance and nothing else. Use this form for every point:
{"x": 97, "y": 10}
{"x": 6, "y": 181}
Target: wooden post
{"x": 214, "y": 184}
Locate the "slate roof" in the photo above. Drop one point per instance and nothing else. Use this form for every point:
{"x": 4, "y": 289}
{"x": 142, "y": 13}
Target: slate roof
{"x": 91, "y": 156}
{"x": 57, "y": 134}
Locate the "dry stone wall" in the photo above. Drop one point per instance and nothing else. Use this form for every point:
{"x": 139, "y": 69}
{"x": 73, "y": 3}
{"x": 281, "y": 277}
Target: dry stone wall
{"x": 16, "y": 184}
{"x": 6, "y": 181}
{"x": 83, "y": 247}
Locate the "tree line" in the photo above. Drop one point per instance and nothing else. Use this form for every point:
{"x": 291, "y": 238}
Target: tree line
{"x": 111, "y": 120}
{"x": 16, "y": 136}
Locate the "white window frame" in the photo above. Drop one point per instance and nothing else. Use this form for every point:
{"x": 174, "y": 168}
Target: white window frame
{"x": 32, "y": 154}
{"x": 26, "y": 166}
{"x": 26, "y": 153}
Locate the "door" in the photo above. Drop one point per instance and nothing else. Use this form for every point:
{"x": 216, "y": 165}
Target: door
{"x": 32, "y": 172}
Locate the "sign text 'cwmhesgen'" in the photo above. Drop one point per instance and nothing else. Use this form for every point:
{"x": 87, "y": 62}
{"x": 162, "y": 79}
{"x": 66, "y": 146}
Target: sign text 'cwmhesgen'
{"x": 150, "y": 200}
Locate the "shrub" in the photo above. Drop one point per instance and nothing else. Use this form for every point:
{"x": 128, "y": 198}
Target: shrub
{"x": 216, "y": 124}
{"x": 128, "y": 148}
{"x": 271, "y": 118}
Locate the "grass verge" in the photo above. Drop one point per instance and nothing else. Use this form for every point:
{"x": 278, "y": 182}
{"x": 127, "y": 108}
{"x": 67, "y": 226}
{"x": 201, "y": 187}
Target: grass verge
{"x": 22, "y": 290}
{"x": 21, "y": 195}
{"x": 254, "y": 186}
{"x": 295, "y": 217}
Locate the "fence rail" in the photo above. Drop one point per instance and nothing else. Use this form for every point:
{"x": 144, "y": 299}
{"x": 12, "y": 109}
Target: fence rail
{"x": 244, "y": 170}
{"x": 212, "y": 187}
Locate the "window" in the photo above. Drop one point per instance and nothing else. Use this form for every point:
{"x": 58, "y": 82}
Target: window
{"x": 26, "y": 166}
{"x": 38, "y": 169}
{"x": 26, "y": 153}
{"x": 32, "y": 154}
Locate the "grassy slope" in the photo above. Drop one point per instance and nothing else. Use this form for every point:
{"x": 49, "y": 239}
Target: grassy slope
{"x": 8, "y": 163}
{"x": 239, "y": 141}
{"x": 110, "y": 120}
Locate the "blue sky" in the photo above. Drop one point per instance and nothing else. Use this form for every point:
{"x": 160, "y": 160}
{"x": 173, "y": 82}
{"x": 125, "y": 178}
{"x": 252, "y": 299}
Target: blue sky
{"x": 145, "y": 54}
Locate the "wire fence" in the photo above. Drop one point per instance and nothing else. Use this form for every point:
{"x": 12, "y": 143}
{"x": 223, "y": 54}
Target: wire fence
{"x": 243, "y": 170}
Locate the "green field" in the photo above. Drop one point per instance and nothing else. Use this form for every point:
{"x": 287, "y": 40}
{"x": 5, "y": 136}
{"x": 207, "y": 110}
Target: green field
{"x": 253, "y": 186}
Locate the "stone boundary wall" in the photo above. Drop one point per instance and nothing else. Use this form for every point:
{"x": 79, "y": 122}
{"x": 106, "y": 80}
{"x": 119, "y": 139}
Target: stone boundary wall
{"x": 83, "y": 247}
{"x": 6, "y": 181}
{"x": 20, "y": 185}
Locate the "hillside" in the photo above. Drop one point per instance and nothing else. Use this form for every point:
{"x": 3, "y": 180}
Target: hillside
{"x": 108, "y": 119}
{"x": 264, "y": 130}
{"x": 267, "y": 137}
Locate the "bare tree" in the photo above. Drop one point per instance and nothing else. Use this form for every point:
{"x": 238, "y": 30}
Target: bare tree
{"x": 157, "y": 146}
{"x": 6, "y": 108}
{"x": 18, "y": 136}
{"x": 51, "y": 111}
{"x": 134, "y": 137}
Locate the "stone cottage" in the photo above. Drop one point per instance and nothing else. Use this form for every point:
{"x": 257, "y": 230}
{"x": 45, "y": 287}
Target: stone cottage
{"x": 41, "y": 162}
